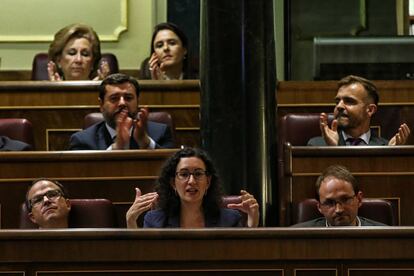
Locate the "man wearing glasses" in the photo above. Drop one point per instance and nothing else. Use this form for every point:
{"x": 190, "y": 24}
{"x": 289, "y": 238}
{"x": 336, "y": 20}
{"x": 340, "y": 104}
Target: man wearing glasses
{"x": 47, "y": 204}
{"x": 339, "y": 198}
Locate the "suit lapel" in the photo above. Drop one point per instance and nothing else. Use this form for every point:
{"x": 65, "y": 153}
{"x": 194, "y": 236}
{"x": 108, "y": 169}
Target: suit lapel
{"x": 103, "y": 138}
{"x": 341, "y": 139}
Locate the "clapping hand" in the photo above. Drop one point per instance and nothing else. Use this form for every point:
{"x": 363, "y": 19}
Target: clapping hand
{"x": 52, "y": 72}
{"x": 103, "y": 70}
{"x": 155, "y": 67}
{"x": 140, "y": 131}
{"x": 329, "y": 134}
{"x": 401, "y": 137}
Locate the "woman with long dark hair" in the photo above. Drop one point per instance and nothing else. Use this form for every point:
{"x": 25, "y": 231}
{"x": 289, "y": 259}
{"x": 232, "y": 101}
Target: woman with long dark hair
{"x": 189, "y": 195}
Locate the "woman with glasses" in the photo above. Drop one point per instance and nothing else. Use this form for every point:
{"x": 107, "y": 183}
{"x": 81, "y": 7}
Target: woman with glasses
{"x": 189, "y": 195}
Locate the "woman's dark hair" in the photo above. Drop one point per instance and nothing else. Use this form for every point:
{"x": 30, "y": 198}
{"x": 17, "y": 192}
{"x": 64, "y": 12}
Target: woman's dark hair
{"x": 169, "y": 201}
{"x": 172, "y": 27}
{"x": 145, "y": 73}
{"x": 69, "y": 32}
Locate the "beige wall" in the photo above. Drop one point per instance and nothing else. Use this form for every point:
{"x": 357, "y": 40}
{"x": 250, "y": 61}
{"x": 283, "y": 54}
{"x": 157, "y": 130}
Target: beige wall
{"x": 130, "y": 47}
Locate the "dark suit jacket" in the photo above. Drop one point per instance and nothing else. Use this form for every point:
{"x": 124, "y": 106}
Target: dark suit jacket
{"x": 97, "y": 137}
{"x": 7, "y": 144}
{"x": 159, "y": 219}
{"x": 321, "y": 222}
{"x": 373, "y": 141}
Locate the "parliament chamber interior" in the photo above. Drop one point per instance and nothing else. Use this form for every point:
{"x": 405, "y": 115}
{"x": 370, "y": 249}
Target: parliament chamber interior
{"x": 266, "y": 71}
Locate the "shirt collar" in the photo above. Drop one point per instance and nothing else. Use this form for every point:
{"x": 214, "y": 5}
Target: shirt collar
{"x": 180, "y": 78}
{"x": 112, "y": 131}
{"x": 365, "y": 136}
{"x": 357, "y": 219}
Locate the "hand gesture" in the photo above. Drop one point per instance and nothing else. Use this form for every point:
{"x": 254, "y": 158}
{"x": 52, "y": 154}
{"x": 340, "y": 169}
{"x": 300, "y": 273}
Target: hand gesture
{"x": 249, "y": 206}
{"x": 330, "y": 135}
{"x": 52, "y": 72}
{"x": 123, "y": 124}
{"x": 140, "y": 132}
{"x": 141, "y": 204}
{"x": 401, "y": 137}
{"x": 155, "y": 67}
{"x": 103, "y": 70}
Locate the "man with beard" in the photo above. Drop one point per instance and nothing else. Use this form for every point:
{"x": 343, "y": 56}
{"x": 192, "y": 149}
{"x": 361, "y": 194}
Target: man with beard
{"x": 125, "y": 125}
{"x": 47, "y": 204}
{"x": 339, "y": 198}
{"x": 355, "y": 103}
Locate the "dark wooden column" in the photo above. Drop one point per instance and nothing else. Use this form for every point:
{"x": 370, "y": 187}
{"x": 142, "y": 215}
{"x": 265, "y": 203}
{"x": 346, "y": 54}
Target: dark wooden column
{"x": 238, "y": 82}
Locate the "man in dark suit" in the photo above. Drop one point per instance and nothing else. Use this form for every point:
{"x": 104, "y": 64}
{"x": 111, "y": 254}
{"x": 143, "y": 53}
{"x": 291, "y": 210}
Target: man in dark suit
{"x": 339, "y": 198}
{"x": 125, "y": 125}
{"x": 355, "y": 103}
{"x": 7, "y": 144}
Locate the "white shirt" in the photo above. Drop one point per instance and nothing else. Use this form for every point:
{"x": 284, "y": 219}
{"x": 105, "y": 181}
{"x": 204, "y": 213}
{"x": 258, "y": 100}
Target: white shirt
{"x": 112, "y": 132}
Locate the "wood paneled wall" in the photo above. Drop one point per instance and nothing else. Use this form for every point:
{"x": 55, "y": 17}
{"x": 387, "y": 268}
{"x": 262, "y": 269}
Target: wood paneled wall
{"x": 382, "y": 172}
{"x": 86, "y": 174}
{"x": 263, "y": 252}
{"x": 57, "y": 109}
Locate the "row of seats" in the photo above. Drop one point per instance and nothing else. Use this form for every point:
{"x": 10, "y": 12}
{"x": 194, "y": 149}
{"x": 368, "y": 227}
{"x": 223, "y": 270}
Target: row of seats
{"x": 86, "y": 213}
{"x": 297, "y": 129}
{"x": 291, "y": 124}
{"x": 39, "y": 66}
{"x": 17, "y": 129}
{"x": 98, "y": 213}
{"x": 376, "y": 209}
{"x": 22, "y": 129}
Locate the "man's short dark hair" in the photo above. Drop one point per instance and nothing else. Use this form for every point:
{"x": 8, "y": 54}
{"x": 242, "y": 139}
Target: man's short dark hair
{"x": 338, "y": 172}
{"x": 117, "y": 78}
{"x": 368, "y": 85}
{"x": 57, "y": 183}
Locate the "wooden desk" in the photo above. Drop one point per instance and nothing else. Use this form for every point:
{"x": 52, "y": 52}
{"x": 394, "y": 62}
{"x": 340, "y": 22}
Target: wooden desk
{"x": 323, "y": 92}
{"x": 383, "y": 172}
{"x": 57, "y": 109}
{"x": 86, "y": 174}
{"x": 262, "y": 252}
{"x": 396, "y": 104}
